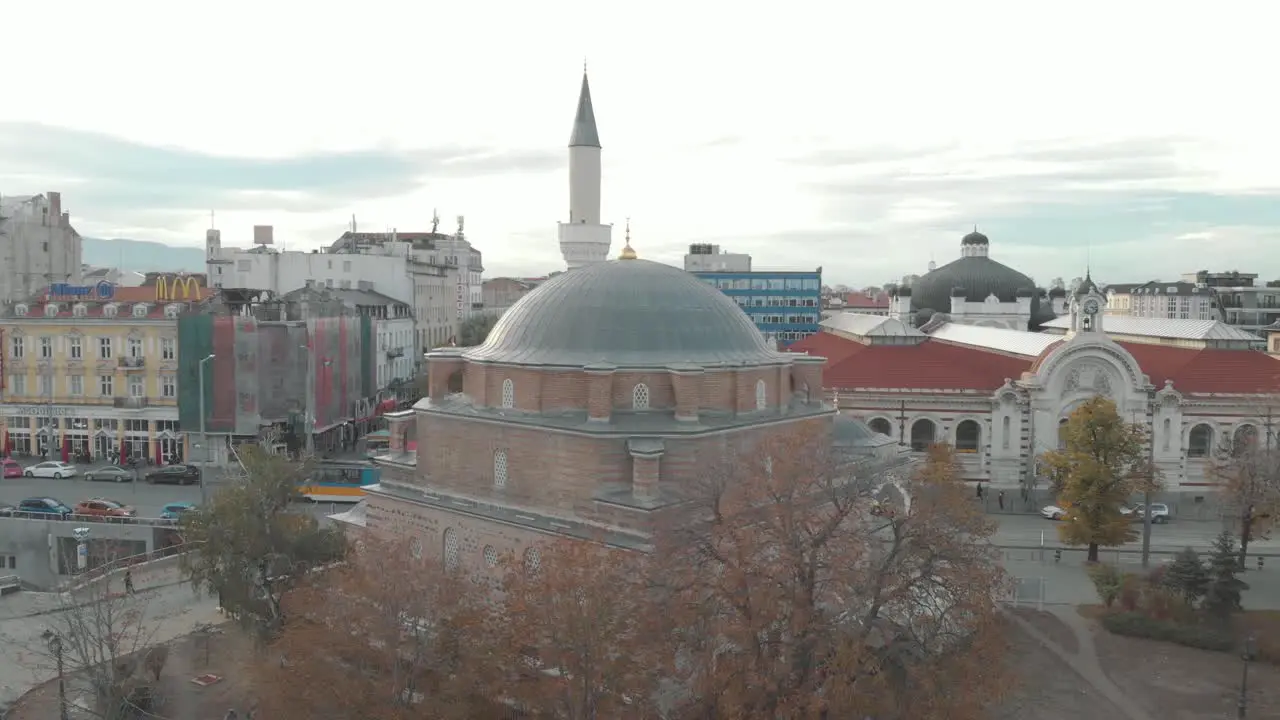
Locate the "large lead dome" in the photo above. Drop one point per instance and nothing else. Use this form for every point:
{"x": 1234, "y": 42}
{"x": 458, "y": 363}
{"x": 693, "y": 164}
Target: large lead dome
{"x": 977, "y": 277}
{"x": 628, "y": 313}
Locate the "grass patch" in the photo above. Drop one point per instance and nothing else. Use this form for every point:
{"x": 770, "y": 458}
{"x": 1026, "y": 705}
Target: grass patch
{"x": 1264, "y": 627}
{"x": 1201, "y": 636}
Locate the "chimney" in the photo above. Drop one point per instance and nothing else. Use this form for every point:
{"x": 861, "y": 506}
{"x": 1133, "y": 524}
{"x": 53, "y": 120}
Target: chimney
{"x": 55, "y": 203}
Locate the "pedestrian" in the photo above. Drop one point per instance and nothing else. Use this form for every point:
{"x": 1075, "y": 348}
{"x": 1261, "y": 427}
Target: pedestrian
{"x": 1000, "y": 499}
{"x": 979, "y": 491}
{"x": 128, "y": 581}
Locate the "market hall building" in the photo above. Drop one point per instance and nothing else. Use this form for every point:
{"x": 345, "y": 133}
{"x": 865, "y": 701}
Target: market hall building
{"x": 1000, "y": 396}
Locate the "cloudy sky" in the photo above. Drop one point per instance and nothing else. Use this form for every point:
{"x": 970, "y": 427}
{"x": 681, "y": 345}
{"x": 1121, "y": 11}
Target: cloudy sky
{"x": 865, "y": 137}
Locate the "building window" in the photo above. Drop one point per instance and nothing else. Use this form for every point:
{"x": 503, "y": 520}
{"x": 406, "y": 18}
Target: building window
{"x": 762, "y": 395}
{"x": 76, "y": 384}
{"x": 415, "y": 548}
{"x": 104, "y": 348}
{"x": 968, "y": 436}
{"x": 16, "y": 348}
{"x": 18, "y": 385}
{"x": 79, "y": 310}
{"x": 106, "y": 385}
{"x": 1005, "y": 425}
{"x": 1200, "y": 441}
{"x": 1244, "y": 438}
{"x": 490, "y": 556}
{"x": 244, "y": 266}
{"x": 1167, "y": 431}
{"x": 508, "y": 394}
{"x": 923, "y": 434}
{"x": 881, "y": 426}
{"x": 76, "y": 349}
{"x": 168, "y": 349}
{"x": 1062, "y": 434}
{"x": 499, "y": 469}
{"x": 452, "y": 549}
{"x": 532, "y": 561}
{"x": 136, "y": 387}
{"x": 46, "y": 348}
{"x": 46, "y": 386}
{"x": 135, "y": 348}
{"x": 640, "y": 397}
{"x": 168, "y": 386}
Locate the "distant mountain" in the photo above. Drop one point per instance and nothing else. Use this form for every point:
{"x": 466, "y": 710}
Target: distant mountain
{"x": 141, "y": 255}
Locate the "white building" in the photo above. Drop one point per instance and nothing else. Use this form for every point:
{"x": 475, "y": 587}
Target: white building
{"x": 397, "y": 268}
{"x": 584, "y": 240}
{"x": 1157, "y": 299}
{"x": 38, "y": 246}
{"x": 1000, "y": 396}
{"x": 703, "y": 257}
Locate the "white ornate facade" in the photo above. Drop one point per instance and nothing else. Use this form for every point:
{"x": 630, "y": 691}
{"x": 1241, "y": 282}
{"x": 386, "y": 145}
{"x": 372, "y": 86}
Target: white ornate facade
{"x": 1000, "y": 396}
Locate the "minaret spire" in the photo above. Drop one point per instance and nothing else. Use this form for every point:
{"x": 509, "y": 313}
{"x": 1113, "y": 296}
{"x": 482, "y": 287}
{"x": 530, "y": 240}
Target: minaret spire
{"x": 584, "y": 121}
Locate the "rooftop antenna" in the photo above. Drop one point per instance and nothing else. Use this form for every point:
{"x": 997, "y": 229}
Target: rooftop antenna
{"x": 584, "y": 64}
{"x": 212, "y": 223}
{"x": 435, "y": 220}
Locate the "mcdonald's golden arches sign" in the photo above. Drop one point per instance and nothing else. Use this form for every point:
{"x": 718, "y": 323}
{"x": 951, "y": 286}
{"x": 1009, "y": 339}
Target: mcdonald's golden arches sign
{"x": 177, "y": 288}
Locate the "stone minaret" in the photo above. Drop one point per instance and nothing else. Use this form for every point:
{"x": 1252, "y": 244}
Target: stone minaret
{"x": 584, "y": 240}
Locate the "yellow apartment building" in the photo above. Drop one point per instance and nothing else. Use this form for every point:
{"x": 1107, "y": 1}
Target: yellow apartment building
{"x": 93, "y": 371}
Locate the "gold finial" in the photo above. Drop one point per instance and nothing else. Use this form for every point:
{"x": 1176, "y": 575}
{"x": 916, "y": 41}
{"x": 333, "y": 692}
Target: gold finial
{"x": 627, "y": 252}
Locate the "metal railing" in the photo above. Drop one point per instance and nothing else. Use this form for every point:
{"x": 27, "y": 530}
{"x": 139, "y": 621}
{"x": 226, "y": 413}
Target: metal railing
{"x": 78, "y": 518}
{"x": 133, "y": 362}
{"x": 98, "y": 572}
{"x": 130, "y": 403}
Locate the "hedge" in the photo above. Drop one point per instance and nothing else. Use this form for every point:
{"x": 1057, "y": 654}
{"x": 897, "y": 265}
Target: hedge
{"x": 1135, "y": 624}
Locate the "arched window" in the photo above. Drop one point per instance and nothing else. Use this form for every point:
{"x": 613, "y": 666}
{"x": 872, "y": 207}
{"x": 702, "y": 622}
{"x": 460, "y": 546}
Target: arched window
{"x": 1200, "y": 441}
{"x": 1168, "y": 430}
{"x": 1245, "y": 437}
{"x": 640, "y": 397}
{"x": 923, "y": 434}
{"x": 1062, "y": 434}
{"x": 51, "y": 310}
{"x": 762, "y": 395}
{"x": 415, "y": 548}
{"x": 881, "y": 426}
{"x": 508, "y": 394}
{"x": 499, "y": 469}
{"x": 1005, "y": 431}
{"x": 532, "y": 561}
{"x": 452, "y": 549}
{"x": 490, "y": 556}
{"x": 455, "y": 381}
{"x": 968, "y": 436}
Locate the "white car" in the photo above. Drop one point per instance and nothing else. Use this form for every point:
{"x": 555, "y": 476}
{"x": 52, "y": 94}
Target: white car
{"x": 1053, "y": 512}
{"x": 52, "y": 469}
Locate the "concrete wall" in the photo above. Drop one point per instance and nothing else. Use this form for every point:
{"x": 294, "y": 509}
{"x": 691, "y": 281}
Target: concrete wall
{"x": 36, "y": 545}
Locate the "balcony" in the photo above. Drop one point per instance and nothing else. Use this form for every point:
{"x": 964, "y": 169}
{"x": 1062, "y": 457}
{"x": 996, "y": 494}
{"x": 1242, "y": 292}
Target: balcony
{"x": 396, "y": 352}
{"x": 130, "y": 403}
{"x": 133, "y": 363}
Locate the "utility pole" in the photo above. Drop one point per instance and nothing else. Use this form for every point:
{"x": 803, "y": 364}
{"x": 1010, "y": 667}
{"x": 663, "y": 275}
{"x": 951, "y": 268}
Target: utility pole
{"x": 1150, "y": 473}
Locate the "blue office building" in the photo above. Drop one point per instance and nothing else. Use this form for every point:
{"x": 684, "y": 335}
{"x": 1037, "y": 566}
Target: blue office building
{"x": 786, "y": 306}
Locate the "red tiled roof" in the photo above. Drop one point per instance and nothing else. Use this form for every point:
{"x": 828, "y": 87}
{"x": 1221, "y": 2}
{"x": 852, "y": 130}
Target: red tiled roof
{"x": 930, "y": 365}
{"x": 860, "y": 300}
{"x": 1208, "y": 370}
{"x": 935, "y": 365}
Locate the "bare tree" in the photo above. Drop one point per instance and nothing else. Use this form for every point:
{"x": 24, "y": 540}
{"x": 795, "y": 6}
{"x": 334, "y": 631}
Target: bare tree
{"x": 798, "y": 595}
{"x": 102, "y": 636}
{"x": 1248, "y": 471}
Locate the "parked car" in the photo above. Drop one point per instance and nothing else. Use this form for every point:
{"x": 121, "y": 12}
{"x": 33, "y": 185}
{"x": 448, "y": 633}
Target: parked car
{"x": 174, "y": 475}
{"x": 51, "y": 469}
{"x": 1159, "y": 513}
{"x": 102, "y": 507}
{"x": 6, "y": 510}
{"x": 11, "y": 468}
{"x": 175, "y": 511}
{"x": 110, "y": 473}
{"x": 44, "y": 506}
{"x": 1053, "y": 512}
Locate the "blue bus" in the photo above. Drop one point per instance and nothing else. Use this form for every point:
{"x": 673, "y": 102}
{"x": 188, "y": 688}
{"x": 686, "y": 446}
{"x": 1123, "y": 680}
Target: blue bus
{"x": 339, "y": 481}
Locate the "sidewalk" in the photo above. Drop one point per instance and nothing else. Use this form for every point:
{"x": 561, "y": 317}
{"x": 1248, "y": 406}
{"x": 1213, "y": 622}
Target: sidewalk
{"x": 34, "y": 604}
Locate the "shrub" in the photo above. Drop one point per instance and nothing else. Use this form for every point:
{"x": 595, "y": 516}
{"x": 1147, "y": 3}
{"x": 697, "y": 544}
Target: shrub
{"x": 1132, "y": 590}
{"x": 1204, "y": 637}
{"x": 1107, "y": 580}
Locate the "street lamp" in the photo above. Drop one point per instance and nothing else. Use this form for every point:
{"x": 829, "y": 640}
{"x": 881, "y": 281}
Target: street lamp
{"x": 55, "y": 646}
{"x": 204, "y": 438}
{"x": 308, "y": 417}
{"x": 1242, "y": 702}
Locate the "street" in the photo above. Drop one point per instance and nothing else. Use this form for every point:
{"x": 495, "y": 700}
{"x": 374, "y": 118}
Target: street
{"x": 1028, "y": 530}
{"x": 147, "y": 499}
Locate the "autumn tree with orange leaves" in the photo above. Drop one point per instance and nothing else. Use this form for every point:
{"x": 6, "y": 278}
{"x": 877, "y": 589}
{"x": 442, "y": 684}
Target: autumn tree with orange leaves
{"x": 579, "y": 628}
{"x": 789, "y": 598}
{"x": 385, "y": 635}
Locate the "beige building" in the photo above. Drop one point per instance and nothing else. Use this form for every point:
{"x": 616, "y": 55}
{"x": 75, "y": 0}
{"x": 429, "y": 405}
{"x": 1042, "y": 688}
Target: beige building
{"x": 1169, "y": 300}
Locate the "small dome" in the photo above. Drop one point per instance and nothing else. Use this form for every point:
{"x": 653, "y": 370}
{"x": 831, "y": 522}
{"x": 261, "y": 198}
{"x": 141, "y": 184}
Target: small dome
{"x": 627, "y": 313}
{"x": 975, "y": 238}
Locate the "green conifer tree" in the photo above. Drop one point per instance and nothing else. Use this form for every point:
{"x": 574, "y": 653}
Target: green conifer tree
{"x": 1187, "y": 576}
{"x": 1222, "y": 596}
